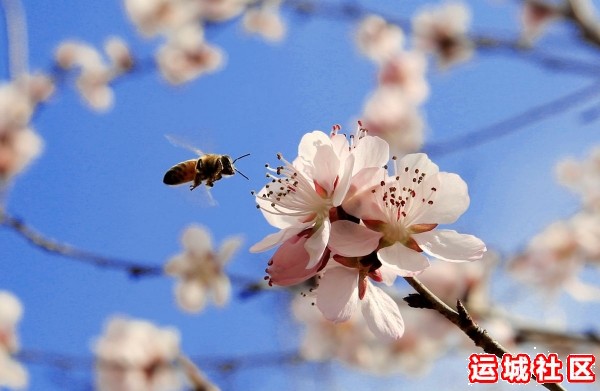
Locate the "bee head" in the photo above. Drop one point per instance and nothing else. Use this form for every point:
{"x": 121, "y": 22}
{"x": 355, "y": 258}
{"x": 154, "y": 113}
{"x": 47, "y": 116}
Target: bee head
{"x": 228, "y": 168}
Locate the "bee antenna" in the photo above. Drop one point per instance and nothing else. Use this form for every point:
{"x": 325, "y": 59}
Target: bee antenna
{"x": 238, "y": 171}
{"x": 236, "y": 159}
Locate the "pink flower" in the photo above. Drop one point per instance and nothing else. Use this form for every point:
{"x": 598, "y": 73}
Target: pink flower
{"x": 406, "y": 71}
{"x": 400, "y": 213}
{"x": 12, "y": 374}
{"x": 302, "y": 197}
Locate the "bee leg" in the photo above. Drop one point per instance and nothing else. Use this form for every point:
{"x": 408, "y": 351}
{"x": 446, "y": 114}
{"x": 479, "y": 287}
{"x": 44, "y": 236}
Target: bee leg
{"x": 197, "y": 182}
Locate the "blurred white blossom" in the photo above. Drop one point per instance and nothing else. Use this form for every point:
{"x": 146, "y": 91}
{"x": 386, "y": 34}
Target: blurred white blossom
{"x": 266, "y": 22}
{"x": 199, "y": 269}
{"x": 391, "y": 114}
{"x": 153, "y": 17}
{"x": 406, "y": 71}
{"x": 378, "y": 39}
{"x": 95, "y": 74}
{"x": 136, "y": 355}
{"x": 442, "y": 30}
{"x": 12, "y": 374}
{"x": 583, "y": 178}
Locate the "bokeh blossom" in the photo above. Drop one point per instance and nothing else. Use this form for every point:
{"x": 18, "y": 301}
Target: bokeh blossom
{"x": 345, "y": 221}
{"x": 95, "y": 73}
{"x": 199, "y": 269}
{"x": 378, "y": 39}
{"x": 136, "y": 355}
{"x": 19, "y": 143}
{"x": 12, "y": 374}
{"x": 535, "y": 17}
{"x": 442, "y": 31}
{"x": 266, "y": 22}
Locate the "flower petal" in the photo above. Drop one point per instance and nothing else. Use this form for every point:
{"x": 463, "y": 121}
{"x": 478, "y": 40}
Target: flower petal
{"x": 451, "y": 246}
{"x": 352, "y": 240}
{"x": 360, "y": 201}
{"x": 370, "y": 151}
{"x": 409, "y": 262}
{"x": 417, "y": 161}
{"x": 325, "y": 168}
{"x": 281, "y": 218}
{"x": 221, "y": 289}
{"x": 382, "y": 314}
{"x": 344, "y": 182}
{"x": 197, "y": 239}
{"x": 276, "y": 238}
{"x": 316, "y": 243}
{"x": 228, "y": 248}
{"x": 337, "y": 295}
{"x": 190, "y": 296}
{"x": 307, "y": 149}
{"x": 340, "y": 146}
{"x": 450, "y": 201}
{"x": 288, "y": 265}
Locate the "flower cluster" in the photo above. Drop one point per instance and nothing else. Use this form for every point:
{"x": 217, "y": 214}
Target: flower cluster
{"x": 345, "y": 220}
{"x": 19, "y": 144}
{"x": 185, "y": 54}
{"x": 391, "y": 112}
{"x": 556, "y": 256}
{"x": 12, "y": 374}
{"x": 200, "y": 269}
{"x": 95, "y": 73}
{"x": 135, "y": 355}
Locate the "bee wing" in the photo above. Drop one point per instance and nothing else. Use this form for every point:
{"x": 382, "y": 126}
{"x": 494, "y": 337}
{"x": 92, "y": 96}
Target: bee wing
{"x": 183, "y": 144}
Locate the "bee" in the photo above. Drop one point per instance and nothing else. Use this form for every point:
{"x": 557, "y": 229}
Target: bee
{"x": 207, "y": 168}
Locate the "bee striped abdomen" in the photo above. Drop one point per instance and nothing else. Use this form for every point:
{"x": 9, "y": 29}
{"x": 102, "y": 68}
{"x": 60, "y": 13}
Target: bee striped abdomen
{"x": 181, "y": 173}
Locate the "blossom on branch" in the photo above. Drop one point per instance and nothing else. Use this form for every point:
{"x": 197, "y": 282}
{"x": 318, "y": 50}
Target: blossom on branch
{"x": 135, "y": 355}
{"x": 378, "y": 39}
{"x": 442, "y": 31}
{"x": 12, "y": 373}
{"x": 345, "y": 221}
{"x": 266, "y": 22}
{"x": 199, "y": 269}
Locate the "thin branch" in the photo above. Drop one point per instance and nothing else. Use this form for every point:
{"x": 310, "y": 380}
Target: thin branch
{"x": 134, "y": 269}
{"x": 352, "y": 11}
{"x": 532, "y": 334}
{"x": 16, "y": 35}
{"x": 517, "y": 122}
{"x": 463, "y": 320}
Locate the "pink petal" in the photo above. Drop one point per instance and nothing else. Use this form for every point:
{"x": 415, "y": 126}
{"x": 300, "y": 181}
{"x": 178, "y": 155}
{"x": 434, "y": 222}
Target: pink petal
{"x": 317, "y": 242}
{"x": 288, "y": 265}
{"x": 360, "y": 201}
{"x": 228, "y": 248}
{"x": 451, "y": 246}
{"x": 344, "y": 182}
{"x": 382, "y": 314}
{"x": 450, "y": 201}
{"x": 337, "y": 295}
{"x": 326, "y": 166}
{"x": 389, "y": 273}
{"x": 352, "y": 240}
{"x": 190, "y": 295}
{"x": 371, "y": 151}
{"x": 409, "y": 262}
{"x": 275, "y": 239}
{"x": 340, "y": 146}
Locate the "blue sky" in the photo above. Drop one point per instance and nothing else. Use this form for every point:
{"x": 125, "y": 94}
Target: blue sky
{"x": 98, "y": 184}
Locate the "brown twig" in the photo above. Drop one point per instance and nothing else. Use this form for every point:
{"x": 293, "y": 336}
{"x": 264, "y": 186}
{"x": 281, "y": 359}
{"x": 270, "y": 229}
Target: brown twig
{"x": 463, "y": 320}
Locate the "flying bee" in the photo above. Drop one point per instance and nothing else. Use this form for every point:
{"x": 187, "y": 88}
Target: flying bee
{"x": 207, "y": 168}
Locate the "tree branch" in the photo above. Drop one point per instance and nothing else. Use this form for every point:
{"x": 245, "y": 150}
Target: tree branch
{"x": 463, "y": 320}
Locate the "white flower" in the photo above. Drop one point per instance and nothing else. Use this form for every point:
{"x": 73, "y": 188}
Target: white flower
{"x": 390, "y": 113}
{"x": 400, "y": 214}
{"x": 119, "y": 54}
{"x": 220, "y": 10}
{"x": 187, "y": 56}
{"x": 583, "y": 178}
{"x": 200, "y": 269}
{"x": 443, "y": 30}
{"x": 12, "y": 373}
{"x": 135, "y": 355}
{"x": 153, "y": 17}
{"x": 303, "y": 195}
{"x": 17, "y": 149}
{"x": 378, "y": 39}
{"x": 266, "y": 22}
